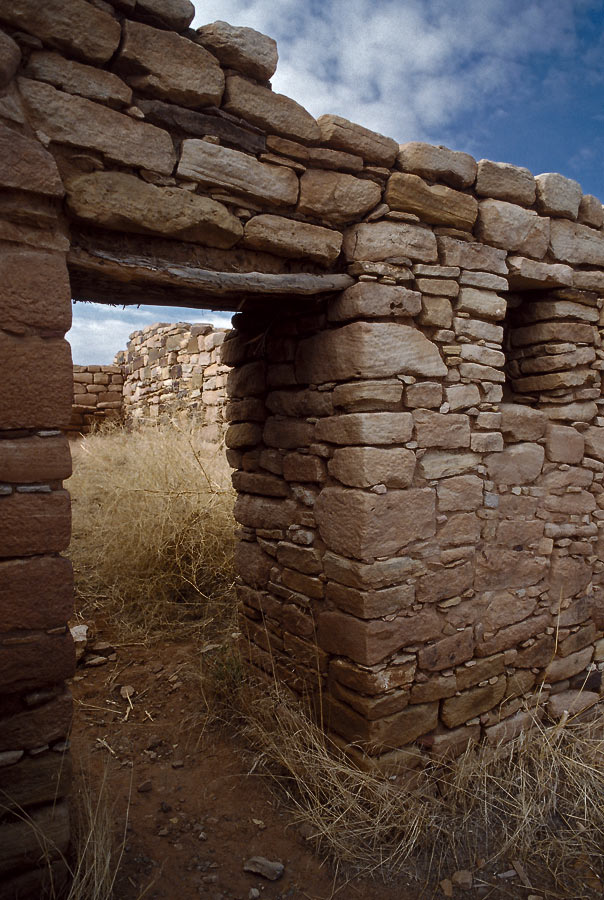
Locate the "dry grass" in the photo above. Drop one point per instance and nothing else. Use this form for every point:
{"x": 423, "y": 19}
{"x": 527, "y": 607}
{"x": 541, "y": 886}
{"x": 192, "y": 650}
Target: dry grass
{"x": 538, "y": 800}
{"x": 153, "y": 530}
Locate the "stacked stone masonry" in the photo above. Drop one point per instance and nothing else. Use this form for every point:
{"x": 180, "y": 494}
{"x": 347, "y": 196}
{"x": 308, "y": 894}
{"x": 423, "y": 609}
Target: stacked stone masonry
{"x": 97, "y": 397}
{"x": 415, "y": 395}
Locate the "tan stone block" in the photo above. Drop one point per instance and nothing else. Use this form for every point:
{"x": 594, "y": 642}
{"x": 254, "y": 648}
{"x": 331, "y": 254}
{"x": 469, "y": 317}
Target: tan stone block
{"x": 426, "y": 394}
{"x": 31, "y": 661}
{"x": 300, "y": 403}
{"x": 513, "y": 635}
{"x": 26, "y": 165}
{"x": 441, "y": 430}
{"x": 78, "y": 122}
{"x": 302, "y": 584}
{"x": 594, "y": 441}
{"x": 268, "y": 110}
{"x": 503, "y": 181}
{"x": 286, "y": 237}
{"x": 374, "y": 680}
{"x": 557, "y": 195}
{"x": 512, "y": 227}
{"x": 364, "y": 642}
{"x": 76, "y": 78}
{"x": 37, "y": 388}
{"x": 576, "y": 244}
{"x": 452, "y": 743}
{"x": 123, "y": 202}
{"x": 504, "y": 608}
{"x": 303, "y": 559}
{"x": 555, "y": 381}
{"x": 379, "y": 574}
{"x": 334, "y": 197}
{"x": 35, "y": 523}
{"x": 444, "y": 583}
{"x": 218, "y": 166}
{"x": 471, "y": 255}
{"x": 568, "y": 576}
{"x": 365, "y": 466}
{"x": 263, "y": 512}
{"x": 471, "y": 703}
{"x": 341, "y": 134}
{"x": 366, "y": 428}
{"x": 437, "y": 163}
{"x": 23, "y": 604}
{"x": 258, "y": 483}
{"x": 591, "y": 211}
{"x": 368, "y": 396}
{"x": 571, "y": 702}
{"x": 76, "y": 27}
{"x": 10, "y": 57}
{"x": 448, "y": 652}
{"x": 459, "y": 492}
{"x": 557, "y": 309}
{"x": 468, "y": 676}
{"x": 168, "y": 66}
{"x": 392, "y": 731}
{"x": 389, "y": 240}
{"x": 36, "y": 780}
{"x": 372, "y": 300}
{"x": 366, "y": 525}
{"x": 498, "y": 567}
{"x": 370, "y": 604}
{"x": 516, "y": 533}
{"x": 244, "y": 49}
{"x": 34, "y": 459}
{"x": 303, "y": 467}
{"x": 35, "y": 291}
{"x": 527, "y": 273}
{"x": 522, "y": 423}
{"x": 438, "y": 687}
{"x": 50, "y": 722}
{"x": 371, "y": 707}
{"x": 517, "y": 464}
{"x": 483, "y": 304}
{"x": 367, "y": 350}
{"x": 436, "y": 311}
{"x": 321, "y": 158}
{"x": 584, "y": 637}
{"x": 477, "y": 330}
{"x": 564, "y": 444}
{"x": 462, "y": 396}
{"x": 578, "y": 503}
{"x": 287, "y": 434}
{"x": 560, "y": 669}
{"x": 173, "y": 14}
{"x": 435, "y": 204}
{"x": 461, "y": 528}
{"x": 440, "y": 463}
{"x": 245, "y": 434}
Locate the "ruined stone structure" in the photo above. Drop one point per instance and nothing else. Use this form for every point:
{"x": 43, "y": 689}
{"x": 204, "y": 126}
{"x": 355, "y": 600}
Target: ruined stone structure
{"x": 98, "y": 397}
{"x": 415, "y": 393}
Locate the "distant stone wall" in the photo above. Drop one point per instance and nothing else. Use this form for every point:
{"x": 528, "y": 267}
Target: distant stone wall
{"x": 174, "y": 369}
{"x": 97, "y": 397}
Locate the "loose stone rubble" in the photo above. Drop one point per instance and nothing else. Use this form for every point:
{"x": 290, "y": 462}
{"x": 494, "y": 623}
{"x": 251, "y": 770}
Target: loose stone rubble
{"x": 415, "y": 387}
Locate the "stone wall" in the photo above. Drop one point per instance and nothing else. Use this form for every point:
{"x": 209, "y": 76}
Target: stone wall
{"x": 415, "y": 393}
{"x": 171, "y": 369}
{"x": 97, "y": 397}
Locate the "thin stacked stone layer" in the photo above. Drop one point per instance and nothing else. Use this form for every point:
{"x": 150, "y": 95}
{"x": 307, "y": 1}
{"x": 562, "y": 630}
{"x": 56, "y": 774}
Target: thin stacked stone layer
{"x": 419, "y": 469}
{"x": 173, "y": 369}
{"x": 97, "y": 397}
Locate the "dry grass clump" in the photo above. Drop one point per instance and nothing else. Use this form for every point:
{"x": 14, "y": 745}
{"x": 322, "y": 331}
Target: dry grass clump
{"x": 537, "y": 801}
{"x": 153, "y": 530}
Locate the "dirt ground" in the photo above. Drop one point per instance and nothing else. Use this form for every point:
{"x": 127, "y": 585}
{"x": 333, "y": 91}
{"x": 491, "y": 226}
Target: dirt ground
{"x": 195, "y": 807}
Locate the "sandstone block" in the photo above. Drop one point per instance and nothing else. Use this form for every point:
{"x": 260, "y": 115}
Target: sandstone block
{"x": 561, "y": 669}
{"x": 37, "y": 389}
{"x": 478, "y": 330}
{"x": 168, "y": 66}
{"x": 571, "y": 702}
{"x": 444, "y": 583}
{"x": 564, "y": 444}
{"x": 555, "y": 381}
{"x": 287, "y": 434}
{"x": 374, "y": 680}
{"x": 47, "y": 826}
{"x": 370, "y": 604}
{"x": 252, "y": 564}
{"x": 577, "y": 244}
{"x": 558, "y": 309}
{"x": 591, "y": 211}
{"x": 505, "y": 182}
{"x": 366, "y": 428}
{"x": 578, "y": 503}
{"x": 76, "y": 27}
{"x": 214, "y": 165}
{"x": 27, "y": 166}
{"x": 508, "y": 729}
{"x": 542, "y": 332}
{"x": 341, "y": 134}
{"x": 517, "y": 464}
{"x": 79, "y": 122}
{"x": 35, "y": 291}
{"x": 448, "y": 652}
{"x": 34, "y": 459}
{"x": 367, "y": 350}
{"x": 365, "y": 525}
{"x": 244, "y": 434}
{"x": 461, "y": 528}
{"x": 240, "y": 48}
{"x": 123, "y": 202}
{"x": 557, "y": 195}
{"x": 471, "y": 703}
{"x": 435, "y": 204}
{"x": 364, "y": 642}
{"x": 583, "y": 411}
{"x": 10, "y": 57}
{"x": 379, "y": 574}
{"x": 302, "y": 467}
{"x": 373, "y": 300}
{"x": 483, "y": 304}
{"x": 263, "y": 512}
{"x": 434, "y": 429}
{"x": 459, "y": 492}
{"x": 437, "y": 163}
{"x": 512, "y": 227}
{"x": 36, "y": 660}
{"x": 321, "y": 158}
{"x": 485, "y": 356}
{"x": 268, "y": 110}
{"x": 470, "y": 255}
{"x": 436, "y": 311}
{"x": 527, "y": 273}
{"x": 259, "y": 483}
{"x": 442, "y": 463}
{"x": 174, "y": 14}
{"x": 77, "y": 78}
{"x": 286, "y": 237}
{"x": 300, "y": 403}
{"x": 35, "y": 523}
{"x": 335, "y": 197}
{"x": 389, "y": 240}
{"x": 368, "y": 396}
{"x": 588, "y": 280}
{"x": 462, "y": 396}
{"x": 594, "y": 441}
{"x": 364, "y": 466}
{"x": 498, "y": 567}
{"x": 427, "y": 394}
{"x": 35, "y": 780}
{"x": 482, "y": 670}
{"x": 23, "y": 604}
{"x": 41, "y": 725}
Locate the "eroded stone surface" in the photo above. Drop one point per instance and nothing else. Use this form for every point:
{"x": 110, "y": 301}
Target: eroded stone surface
{"x": 334, "y": 197}
{"x": 273, "y": 112}
{"x": 241, "y": 48}
{"x": 289, "y": 238}
{"x": 341, "y": 134}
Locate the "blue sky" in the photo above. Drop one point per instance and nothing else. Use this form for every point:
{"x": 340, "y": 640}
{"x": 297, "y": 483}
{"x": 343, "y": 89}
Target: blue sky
{"x": 518, "y": 81}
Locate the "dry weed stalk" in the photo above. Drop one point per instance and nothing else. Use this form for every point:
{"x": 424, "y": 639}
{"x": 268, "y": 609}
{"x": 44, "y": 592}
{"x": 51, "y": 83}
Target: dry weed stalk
{"x": 152, "y": 527}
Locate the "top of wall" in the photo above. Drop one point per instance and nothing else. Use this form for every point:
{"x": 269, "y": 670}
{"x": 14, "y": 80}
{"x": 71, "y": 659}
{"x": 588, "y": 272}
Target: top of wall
{"x": 187, "y": 179}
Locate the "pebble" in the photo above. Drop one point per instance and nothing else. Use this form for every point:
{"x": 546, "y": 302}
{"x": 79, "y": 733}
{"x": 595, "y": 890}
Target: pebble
{"x": 145, "y": 786}
{"x": 259, "y": 865}
{"x": 96, "y": 661}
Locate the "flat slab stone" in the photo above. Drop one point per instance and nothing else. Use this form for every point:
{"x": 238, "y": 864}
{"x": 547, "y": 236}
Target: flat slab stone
{"x": 577, "y": 244}
{"x": 503, "y": 181}
{"x": 26, "y": 165}
{"x": 175, "y": 14}
{"x": 436, "y": 204}
{"x": 213, "y": 165}
{"x": 78, "y": 122}
{"x": 77, "y": 78}
{"x": 169, "y": 67}
{"x": 335, "y": 197}
{"x": 287, "y": 237}
{"x": 244, "y": 49}
{"x": 528, "y": 273}
{"x": 275, "y": 113}
{"x": 341, "y": 134}
{"x": 378, "y": 241}
{"x": 437, "y": 163}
